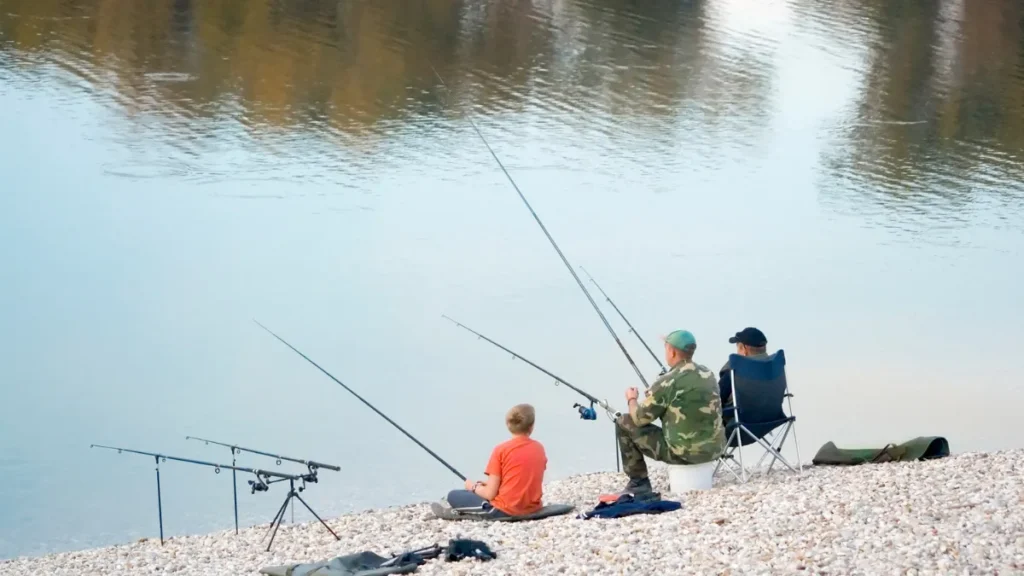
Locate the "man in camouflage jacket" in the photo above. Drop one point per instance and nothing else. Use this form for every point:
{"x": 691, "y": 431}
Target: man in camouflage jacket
{"x": 687, "y": 401}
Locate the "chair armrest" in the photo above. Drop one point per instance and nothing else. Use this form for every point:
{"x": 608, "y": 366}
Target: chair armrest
{"x": 787, "y": 395}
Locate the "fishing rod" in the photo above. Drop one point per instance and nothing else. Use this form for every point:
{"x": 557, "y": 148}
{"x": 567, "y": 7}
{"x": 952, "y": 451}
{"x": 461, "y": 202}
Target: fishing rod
{"x": 311, "y": 465}
{"x": 565, "y": 261}
{"x": 586, "y": 413}
{"x": 624, "y": 319}
{"x": 260, "y": 484}
{"x": 363, "y": 400}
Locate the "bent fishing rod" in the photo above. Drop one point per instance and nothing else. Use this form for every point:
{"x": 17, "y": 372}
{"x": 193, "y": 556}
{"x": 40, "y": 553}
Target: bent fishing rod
{"x": 626, "y": 320}
{"x": 363, "y": 400}
{"x": 311, "y": 465}
{"x": 585, "y": 412}
{"x": 565, "y": 261}
{"x": 260, "y": 484}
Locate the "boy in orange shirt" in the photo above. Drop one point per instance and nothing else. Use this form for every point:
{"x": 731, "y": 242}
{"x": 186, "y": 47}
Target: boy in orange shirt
{"x": 515, "y": 473}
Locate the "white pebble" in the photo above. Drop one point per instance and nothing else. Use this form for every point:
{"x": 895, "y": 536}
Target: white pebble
{"x": 958, "y": 515}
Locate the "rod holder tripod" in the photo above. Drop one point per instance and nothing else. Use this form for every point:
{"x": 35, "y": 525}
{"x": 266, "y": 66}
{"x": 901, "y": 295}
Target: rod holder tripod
{"x": 260, "y": 484}
{"x": 293, "y": 492}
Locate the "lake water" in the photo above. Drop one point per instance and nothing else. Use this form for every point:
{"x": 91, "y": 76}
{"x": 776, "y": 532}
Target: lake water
{"x": 845, "y": 175}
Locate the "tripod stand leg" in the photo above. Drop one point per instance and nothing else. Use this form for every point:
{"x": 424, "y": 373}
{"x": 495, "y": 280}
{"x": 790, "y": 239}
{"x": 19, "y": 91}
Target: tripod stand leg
{"x": 276, "y": 522}
{"x": 317, "y": 517}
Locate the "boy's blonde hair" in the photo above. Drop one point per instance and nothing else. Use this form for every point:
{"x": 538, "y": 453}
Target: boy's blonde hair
{"x": 520, "y": 419}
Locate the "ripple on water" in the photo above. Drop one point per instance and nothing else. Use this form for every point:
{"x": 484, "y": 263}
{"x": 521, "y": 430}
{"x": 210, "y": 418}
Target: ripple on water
{"x": 170, "y": 76}
{"x": 869, "y": 124}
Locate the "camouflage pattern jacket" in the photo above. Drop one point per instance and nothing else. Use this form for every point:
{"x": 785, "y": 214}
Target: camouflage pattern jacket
{"x": 686, "y": 400}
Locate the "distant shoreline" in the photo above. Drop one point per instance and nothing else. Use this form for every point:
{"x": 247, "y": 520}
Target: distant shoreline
{"x": 964, "y": 512}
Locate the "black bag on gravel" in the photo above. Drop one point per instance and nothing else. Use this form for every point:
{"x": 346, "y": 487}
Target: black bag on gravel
{"x": 372, "y": 564}
{"x": 360, "y": 564}
{"x": 459, "y": 549}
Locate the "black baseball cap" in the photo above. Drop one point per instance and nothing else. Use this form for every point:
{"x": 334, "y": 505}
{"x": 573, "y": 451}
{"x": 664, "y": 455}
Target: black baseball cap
{"x": 749, "y": 337}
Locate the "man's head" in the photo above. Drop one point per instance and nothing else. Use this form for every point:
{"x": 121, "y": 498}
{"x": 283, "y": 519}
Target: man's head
{"x": 520, "y": 419}
{"x": 679, "y": 347}
{"x": 749, "y": 341}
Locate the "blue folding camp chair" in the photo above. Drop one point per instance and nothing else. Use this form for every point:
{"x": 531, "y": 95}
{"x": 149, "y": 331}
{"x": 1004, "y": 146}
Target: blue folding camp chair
{"x": 756, "y": 414}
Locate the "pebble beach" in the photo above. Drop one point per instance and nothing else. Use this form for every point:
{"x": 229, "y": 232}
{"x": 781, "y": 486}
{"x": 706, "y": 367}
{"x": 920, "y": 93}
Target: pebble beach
{"x": 958, "y": 515}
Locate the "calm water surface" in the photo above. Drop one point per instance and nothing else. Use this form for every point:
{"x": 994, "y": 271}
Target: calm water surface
{"x": 845, "y": 175}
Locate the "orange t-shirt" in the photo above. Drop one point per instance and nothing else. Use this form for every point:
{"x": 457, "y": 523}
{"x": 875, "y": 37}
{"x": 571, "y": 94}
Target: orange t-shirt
{"x": 520, "y": 463}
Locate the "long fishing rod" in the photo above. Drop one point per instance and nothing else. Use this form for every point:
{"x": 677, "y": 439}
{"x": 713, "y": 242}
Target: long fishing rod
{"x": 626, "y": 320}
{"x": 370, "y": 406}
{"x": 312, "y": 465}
{"x": 565, "y": 261}
{"x": 585, "y": 413}
{"x": 260, "y": 484}
{"x": 260, "y": 473}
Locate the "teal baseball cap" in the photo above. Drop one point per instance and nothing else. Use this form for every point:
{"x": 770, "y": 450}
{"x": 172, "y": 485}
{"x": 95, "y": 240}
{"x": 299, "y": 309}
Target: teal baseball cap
{"x": 681, "y": 339}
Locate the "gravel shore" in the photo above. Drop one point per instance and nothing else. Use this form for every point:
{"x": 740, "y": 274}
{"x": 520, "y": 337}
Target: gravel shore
{"x": 958, "y": 515}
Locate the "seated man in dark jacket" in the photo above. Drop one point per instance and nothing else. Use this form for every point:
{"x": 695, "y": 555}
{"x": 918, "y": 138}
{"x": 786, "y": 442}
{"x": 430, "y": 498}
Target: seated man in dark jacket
{"x": 749, "y": 342}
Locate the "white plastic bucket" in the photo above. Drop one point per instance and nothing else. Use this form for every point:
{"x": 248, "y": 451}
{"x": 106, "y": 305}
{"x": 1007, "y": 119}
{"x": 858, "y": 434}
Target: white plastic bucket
{"x": 690, "y": 477}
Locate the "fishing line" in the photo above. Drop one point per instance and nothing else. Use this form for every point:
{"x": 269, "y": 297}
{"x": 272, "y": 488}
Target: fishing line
{"x": 550, "y": 239}
{"x": 363, "y": 400}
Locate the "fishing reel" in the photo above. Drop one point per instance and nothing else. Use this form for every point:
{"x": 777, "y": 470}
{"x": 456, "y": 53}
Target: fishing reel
{"x": 260, "y": 484}
{"x": 586, "y": 412}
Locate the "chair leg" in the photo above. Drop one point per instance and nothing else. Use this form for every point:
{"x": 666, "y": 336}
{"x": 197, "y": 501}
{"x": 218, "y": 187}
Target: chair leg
{"x": 729, "y": 461}
{"x": 771, "y": 440}
{"x": 778, "y": 448}
{"x": 723, "y": 463}
{"x": 743, "y": 429}
{"x": 796, "y": 444}
{"x": 732, "y": 471}
{"x": 771, "y": 449}
{"x": 729, "y": 451}
{"x": 777, "y": 455}
{"x": 739, "y": 448}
